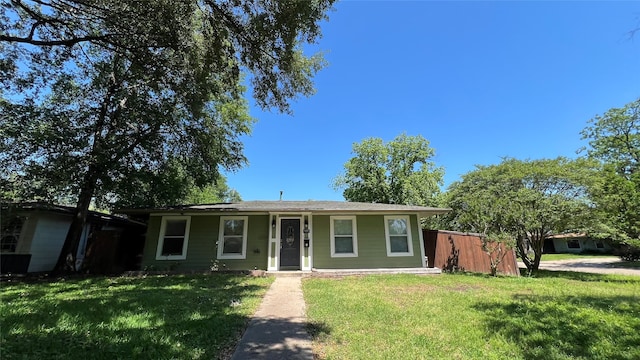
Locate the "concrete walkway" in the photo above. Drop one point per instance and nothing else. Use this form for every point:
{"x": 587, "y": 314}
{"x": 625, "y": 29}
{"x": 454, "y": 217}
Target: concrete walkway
{"x": 277, "y": 330}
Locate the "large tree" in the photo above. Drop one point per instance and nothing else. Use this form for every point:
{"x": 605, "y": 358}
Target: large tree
{"x": 263, "y": 37}
{"x": 527, "y": 200}
{"x": 102, "y": 97}
{"x": 398, "y": 172}
{"x": 614, "y": 141}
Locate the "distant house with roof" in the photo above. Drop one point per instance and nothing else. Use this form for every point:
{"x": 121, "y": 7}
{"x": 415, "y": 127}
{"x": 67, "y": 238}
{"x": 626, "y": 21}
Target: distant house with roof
{"x": 32, "y": 235}
{"x": 575, "y": 243}
{"x": 286, "y": 235}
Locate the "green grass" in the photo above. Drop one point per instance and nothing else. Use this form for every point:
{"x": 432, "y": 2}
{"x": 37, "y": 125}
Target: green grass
{"x": 627, "y": 264}
{"x": 554, "y": 257}
{"x": 157, "y": 317}
{"x": 462, "y": 316}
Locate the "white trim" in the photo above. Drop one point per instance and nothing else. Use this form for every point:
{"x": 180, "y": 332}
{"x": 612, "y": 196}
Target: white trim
{"x": 279, "y": 236}
{"x": 422, "y": 251}
{"x": 161, "y": 237}
{"x": 245, "y": 226}
{"x": 354, "y": 236}
{"x": 273, "y": 239}
{"x": 388, "y": 238}
{"x": 310, "y": 248}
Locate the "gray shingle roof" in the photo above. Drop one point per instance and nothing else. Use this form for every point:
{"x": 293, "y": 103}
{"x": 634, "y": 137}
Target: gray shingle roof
{"x": 301, "y": 206}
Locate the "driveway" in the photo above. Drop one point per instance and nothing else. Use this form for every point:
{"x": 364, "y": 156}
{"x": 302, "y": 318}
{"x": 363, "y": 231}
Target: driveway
{"x": 596, "y": 265}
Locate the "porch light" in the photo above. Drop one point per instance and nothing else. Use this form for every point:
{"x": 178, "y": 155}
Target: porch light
{"x": 273, "y": 222}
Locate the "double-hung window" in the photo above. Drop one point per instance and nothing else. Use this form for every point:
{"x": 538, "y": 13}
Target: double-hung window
{"x": 398, "y": 235}
{"x": 174, "y": 238}
{"x": 232, "y": 239}
{"x": 344, "y": 239}
{"x": 10, "y": 229}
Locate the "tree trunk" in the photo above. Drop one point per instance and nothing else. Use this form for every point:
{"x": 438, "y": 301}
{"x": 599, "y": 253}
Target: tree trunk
{"x": 522, "y": 251}
{"x": 67, "y": 259}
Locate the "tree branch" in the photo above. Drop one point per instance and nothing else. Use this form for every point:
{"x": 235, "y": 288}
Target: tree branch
{"x": 64, "y": 42}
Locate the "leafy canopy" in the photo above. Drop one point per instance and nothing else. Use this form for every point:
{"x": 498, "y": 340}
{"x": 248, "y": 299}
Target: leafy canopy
{"x": 614, "y": 141}
{"x": 398, "y": 172}
{"x": 526, "y": 199}
{"x": 200, "y": 38}
{"x": 131, "y": 102}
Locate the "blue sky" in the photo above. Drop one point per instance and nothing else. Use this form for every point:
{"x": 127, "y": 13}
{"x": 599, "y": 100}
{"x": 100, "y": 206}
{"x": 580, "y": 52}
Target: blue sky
{"x": 479, "y": 80}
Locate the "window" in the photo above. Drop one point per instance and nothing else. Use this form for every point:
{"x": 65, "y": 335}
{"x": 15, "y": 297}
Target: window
{"x": 599, "y": 244}
{"x": 344, "y": 240}
{"x": 232, "y": 241}
{"x": 10, "y": 234}
{"x": 573, "y": 244}
{"x": 398, "y": 233}
{"x": 174, "y": 237}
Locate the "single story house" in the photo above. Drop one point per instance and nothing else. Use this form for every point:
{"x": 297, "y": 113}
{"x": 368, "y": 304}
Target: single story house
{"x": 575, "y": 243}
{"x": 32, "y": 235}
{"x": 285, "y": 235}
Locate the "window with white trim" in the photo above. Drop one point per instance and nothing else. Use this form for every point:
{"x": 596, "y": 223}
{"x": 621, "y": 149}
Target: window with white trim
{"x": 232, "y": 240}
{"x": 10, "y": 233}
{"x": 344, "y": 238}
{"x": 398, "y": 236}
{"x": 174, "y": 238}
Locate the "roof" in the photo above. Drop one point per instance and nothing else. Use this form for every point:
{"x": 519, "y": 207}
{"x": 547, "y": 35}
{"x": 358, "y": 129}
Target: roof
{"x": 567, "y": 236}
{"x": 66, "y": 210}
{"x": 296, "y": 206}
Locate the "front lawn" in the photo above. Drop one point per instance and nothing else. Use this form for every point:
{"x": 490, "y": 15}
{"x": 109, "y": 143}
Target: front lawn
{"x": 464, "y": 316}
{"x": 156, "y": 317}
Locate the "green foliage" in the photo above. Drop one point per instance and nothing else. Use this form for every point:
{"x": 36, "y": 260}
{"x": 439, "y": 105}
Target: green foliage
{"x": 212, "y": 39}
{"x": 399, "y": 172}
{"x": 527, "y": 200}
{"x": 111, "y": 96}
{"x": 458, "y": 316}
{"x": 108, "y": 101}
{"x": 118, "y": 136}
{"x": 614, "y": 140}
{"x": 155, "y": 317}
{"x": 215, "y": 193}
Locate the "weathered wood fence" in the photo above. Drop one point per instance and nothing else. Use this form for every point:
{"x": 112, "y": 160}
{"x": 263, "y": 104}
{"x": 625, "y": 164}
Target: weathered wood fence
{"x": 453, "y": 251}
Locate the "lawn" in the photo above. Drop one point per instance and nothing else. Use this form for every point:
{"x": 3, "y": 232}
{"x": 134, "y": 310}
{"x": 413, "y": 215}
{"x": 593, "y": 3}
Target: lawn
{"x": 156, "y": 317}
{"x": 464, "y": 316}
{"x": 554, "y": 257}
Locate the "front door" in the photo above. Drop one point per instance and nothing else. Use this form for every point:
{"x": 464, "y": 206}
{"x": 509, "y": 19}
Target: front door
{"x": 290, "y": 243}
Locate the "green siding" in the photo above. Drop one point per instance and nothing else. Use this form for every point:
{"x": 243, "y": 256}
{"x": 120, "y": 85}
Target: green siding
{"x": 201, "y": 250}
{"x": 372, "y": 248}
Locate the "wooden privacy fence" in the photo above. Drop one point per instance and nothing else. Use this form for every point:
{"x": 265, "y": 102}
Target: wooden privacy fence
{"x": 453, "y": 251}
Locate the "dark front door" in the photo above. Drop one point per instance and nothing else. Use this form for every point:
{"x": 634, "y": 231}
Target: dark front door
{"x": 290, "y": 243}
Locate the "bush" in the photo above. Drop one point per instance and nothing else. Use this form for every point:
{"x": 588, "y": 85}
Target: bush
{"x": 628, "y": 252}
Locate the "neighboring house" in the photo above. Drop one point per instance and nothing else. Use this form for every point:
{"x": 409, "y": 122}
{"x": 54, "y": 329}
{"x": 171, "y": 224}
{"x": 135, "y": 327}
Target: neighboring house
{"x": 575, "y": 243}
{"x": 32, "y": 235}
{"x": 285, "y": 235}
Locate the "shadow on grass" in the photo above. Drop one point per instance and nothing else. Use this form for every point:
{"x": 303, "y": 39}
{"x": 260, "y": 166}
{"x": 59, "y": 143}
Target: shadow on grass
{"x": 146, "y": 318}
{"x": 561, "y": 327}
{"x": 318, "y": 329}
{"x": 582, "y": 276}
{"x": 626, "y": 264}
